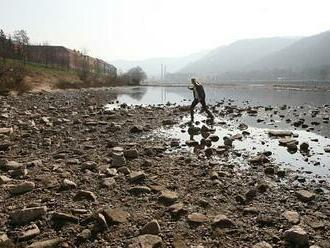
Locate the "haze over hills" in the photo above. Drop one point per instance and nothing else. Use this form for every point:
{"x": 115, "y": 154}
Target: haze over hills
{"x": 237, "y": 55}
{"x": 152, "y": 66}
{"x": 309, "y": 52}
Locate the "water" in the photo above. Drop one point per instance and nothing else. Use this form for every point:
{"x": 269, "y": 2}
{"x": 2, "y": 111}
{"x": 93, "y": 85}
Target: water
{"x": 316, "y": 164}
{"x": 254, "y": 94}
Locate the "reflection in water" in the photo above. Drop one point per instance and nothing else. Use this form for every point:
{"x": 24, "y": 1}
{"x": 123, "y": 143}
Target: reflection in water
{"x": 316, "y": 162}
{"x": 254, "y": 95}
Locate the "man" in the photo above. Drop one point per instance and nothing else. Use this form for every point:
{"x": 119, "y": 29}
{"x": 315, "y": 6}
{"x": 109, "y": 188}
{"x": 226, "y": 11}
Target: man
{"x": 199, "y": 97}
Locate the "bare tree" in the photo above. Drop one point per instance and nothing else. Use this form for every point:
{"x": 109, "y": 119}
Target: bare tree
{"x": 21, "y": 39}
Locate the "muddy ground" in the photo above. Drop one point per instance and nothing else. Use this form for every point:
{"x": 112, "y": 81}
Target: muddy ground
{"x": 74, "y": 174}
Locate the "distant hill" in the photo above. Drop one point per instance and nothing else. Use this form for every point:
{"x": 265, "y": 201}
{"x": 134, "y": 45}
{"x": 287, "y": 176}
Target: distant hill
{"x": 153, "y": 66}
{"x": 306, "y": 53}
{"x": 237, "y": 55}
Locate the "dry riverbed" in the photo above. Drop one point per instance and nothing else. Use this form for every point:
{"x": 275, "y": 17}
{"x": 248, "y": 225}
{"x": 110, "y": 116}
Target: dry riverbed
{"x": 76, "y": 174}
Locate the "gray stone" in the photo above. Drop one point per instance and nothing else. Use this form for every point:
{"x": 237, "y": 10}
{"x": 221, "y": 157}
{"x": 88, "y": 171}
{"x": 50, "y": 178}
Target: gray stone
{"x": 262, "y": 244}
{"x": 292, "y": 217}
{"x": 305, "y": 196}
{"x": 197, "y": 218}
{"x": 133, "y": 153}
{"x": 118, "y": 159}
{"x": 22, "y": 188}
{"x": 279, "y": 133}
{"x": 4, "y": 179}
{"x": 50, "y": 243}
{"x": 116, "y": 216}
{"x": 222, "y": 221}
{"x": 146, "y": 241}
{"x": 26, "y": 215}
{"x": 168, "y": 196}
{"x": 84, "y": 235}
{"x": 67, "y": 184}
{"x": 61, "y": 218}
{"x": 28, "y": 232}
{"x": 5, "y": 242}
{"x": 297, "y": 236}
{"x": 136, "y": 176}
{"x": 108, "y": 182}
{"x": 140, "y": 190}
{"x": 151, "y": 227}
{"x": 85, "y": 195}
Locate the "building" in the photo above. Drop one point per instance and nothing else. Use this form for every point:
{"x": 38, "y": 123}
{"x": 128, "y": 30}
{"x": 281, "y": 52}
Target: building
{"x": 59, "y": 56}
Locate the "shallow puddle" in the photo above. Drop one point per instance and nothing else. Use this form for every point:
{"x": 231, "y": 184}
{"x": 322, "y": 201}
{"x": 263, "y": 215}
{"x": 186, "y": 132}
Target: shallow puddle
{"x": 316, "y": 163}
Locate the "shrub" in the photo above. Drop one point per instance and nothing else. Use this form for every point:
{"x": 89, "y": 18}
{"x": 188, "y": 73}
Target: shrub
{"x": 12, "y": 78}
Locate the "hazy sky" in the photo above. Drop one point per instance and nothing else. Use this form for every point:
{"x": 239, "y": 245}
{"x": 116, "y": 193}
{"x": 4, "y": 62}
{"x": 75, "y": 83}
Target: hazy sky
{"x": 137, "y": 29}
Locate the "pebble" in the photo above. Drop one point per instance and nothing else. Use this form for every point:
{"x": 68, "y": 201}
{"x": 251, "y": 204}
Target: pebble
{"x": 297, "y": 236}
{"x": 222, "y": 221}
{"x": 116, "y": 216}
{"x": 22, "y": 188}
{"x": 168, "y": 196}
{"x": 292, "y": 217}
{"x": 305, "y": 196}
{"x": 146, "y": 241}
{"x": 85, "y": 195}
{"x": 197, "y": 218}
{"x": 26, "y": 215}
{"x": 151, "y": 227}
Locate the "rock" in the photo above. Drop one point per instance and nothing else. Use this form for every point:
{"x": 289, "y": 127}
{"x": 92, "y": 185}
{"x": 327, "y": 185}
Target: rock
{"x": 4, "y": 146}
{"x": 242, "y": 126}
{"x": 51, "y": 243}
{"x": 108, "y": 182}
{"x": 221, "y": 221}
{"x": 101, "y": 222}
{"x": 131, "y": 154}
{"x": 262, "y": 244}
{"x": 62, "y": 218}
{"x": 140, "y": 190}
{"x": 297, "y": 236}
{"x": 5, "y": 242}
{"x": 208, "y": 152}
{"x": 260, "y": 159}
{"x": 116, "y": 216}
{"x": 168, "y": 122}
{"x": 28, "y": 232}
{"x": 168, "y": 196}
{"x": 67, "y": 184}
{"x": 214, "y": 138}
{"x": 327, "y": 149}
{"x": 118, "y": 159}
{"x": 85, "y": 195}
{"x": 84, "y": 235}
{"x": 146, "y": 241}
{"x": 26, "y": 215}
{"x": 177, "y": 209}
{"x": 251, "y": 194}
{"x": 227, "y": 141}
{"x": 136, "y": 129}
{"x": 11, "y": 165}
{"x": 250, "y": 210}
{"x": 6, "y": 131}
{"x": 304, "y": 146}
{"x": 151, "y": 227}
{"x": 279, "y": 133}
{"x": 22, "y": 188}
{"x": 191, "y": 143}
{"x": 269, "y": 170}
{"x": 4, "y": 180}
{"x": 292, "y": 217}
{"x": 197, "y": 218}
{"x": 89, "y": 165}
{"x": 136, "y": 176}
{"x": 192, "y": 130}
{"x": 305, "y": 196}
{"x": 240, "y": 199}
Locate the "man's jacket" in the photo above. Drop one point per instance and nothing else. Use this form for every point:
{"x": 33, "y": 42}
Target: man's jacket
{"x": 200, "y": 91}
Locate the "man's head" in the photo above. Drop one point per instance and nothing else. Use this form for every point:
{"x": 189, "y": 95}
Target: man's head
{"x": 193, "y": 80}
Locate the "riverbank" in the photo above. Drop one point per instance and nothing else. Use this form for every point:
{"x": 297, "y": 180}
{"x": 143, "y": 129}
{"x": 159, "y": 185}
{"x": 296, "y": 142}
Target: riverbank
{"x": 92, "y": 177}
